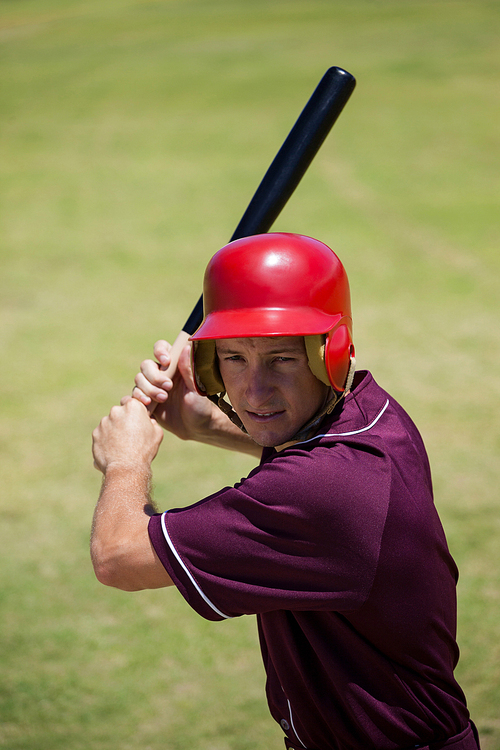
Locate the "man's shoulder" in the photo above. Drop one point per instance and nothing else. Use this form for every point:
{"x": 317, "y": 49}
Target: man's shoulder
{"x": 348, "y": 431}
{"x": 358, "y": 413}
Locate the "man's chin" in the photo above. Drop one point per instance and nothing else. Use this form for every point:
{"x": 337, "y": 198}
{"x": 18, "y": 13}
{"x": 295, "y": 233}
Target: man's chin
{"x": 270, "y": 439}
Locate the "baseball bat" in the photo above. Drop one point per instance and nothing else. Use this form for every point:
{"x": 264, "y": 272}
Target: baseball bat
{"x": 286, "y": 170}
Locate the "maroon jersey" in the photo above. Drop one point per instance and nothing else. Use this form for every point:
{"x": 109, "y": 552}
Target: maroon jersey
{"x": 335, "y": 544}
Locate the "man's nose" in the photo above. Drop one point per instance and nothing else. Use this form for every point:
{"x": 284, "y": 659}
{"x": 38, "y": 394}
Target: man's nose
{"x": 259, "y": 387}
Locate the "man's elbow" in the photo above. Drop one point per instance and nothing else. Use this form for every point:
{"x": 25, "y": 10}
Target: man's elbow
{"x": 111, "y": 570}
{"x": 127, "y": 566}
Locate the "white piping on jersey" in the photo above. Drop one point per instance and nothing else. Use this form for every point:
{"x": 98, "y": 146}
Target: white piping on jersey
{"x": 353, "y": 432}
{"x": 293, "y": 725}
{"x": 187, "y": 572}
{"x": 190, "y": 576}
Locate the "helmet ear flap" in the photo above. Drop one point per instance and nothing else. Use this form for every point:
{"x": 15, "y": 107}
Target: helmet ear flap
{"x": 315, "y": 349}
{"x": 205, "y": 366}
{"x": 330, "y": 355}
{"x": 339, "y": 350}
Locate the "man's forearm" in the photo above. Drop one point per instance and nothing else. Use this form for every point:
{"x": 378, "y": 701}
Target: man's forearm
{"x": 121, "y": 551}
{"x": 222, "y": 433}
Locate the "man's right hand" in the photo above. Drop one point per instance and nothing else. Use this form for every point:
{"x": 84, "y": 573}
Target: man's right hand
{"x": 177, "y": 406}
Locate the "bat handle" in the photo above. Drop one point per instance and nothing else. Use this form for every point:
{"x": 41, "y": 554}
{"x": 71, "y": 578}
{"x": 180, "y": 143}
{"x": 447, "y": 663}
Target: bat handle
{"x": 175, "y": 352}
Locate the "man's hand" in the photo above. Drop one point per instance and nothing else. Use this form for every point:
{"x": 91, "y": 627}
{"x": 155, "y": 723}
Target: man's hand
{"x": 181, "y": 410}
{"x": 127, "y": 437}
{"x": 124, "y": 445}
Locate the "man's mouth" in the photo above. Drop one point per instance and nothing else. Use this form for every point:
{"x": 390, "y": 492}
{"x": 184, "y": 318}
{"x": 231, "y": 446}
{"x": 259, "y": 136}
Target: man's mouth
{"x": 263, "y": 416}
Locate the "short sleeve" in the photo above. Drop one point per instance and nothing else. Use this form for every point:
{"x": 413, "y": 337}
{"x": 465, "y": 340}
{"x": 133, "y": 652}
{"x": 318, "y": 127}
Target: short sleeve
{"x": 301, "y": 532}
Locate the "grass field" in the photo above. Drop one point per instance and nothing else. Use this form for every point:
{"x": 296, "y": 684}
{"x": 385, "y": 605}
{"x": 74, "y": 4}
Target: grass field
{"x": 134, "y": 133}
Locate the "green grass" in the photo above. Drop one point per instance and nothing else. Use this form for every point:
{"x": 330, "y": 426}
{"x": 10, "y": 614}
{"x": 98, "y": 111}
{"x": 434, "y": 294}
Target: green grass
{"x": 134, "y": 133}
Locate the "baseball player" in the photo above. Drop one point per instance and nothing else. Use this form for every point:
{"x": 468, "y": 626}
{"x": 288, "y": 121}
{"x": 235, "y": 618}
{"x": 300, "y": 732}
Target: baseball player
{"x": 332, "y": 541}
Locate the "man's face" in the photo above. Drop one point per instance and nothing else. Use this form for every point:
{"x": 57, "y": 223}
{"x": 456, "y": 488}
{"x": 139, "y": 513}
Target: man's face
{"x": 270, "y": 386}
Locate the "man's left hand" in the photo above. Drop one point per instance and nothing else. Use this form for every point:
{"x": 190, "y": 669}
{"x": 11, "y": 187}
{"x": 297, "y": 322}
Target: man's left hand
{"x": 127, "y": 437}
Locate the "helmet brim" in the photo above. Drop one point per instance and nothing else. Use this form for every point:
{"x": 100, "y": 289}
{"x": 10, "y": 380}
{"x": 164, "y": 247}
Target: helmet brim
{"x": 257, "y": 322}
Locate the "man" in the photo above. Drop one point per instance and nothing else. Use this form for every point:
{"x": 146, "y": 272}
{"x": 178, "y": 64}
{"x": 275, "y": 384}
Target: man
{"x": 333, "y": 540}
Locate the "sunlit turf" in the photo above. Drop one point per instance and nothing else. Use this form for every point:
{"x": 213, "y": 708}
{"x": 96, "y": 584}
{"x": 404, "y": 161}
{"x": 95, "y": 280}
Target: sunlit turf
{"x": 134, "y": 133}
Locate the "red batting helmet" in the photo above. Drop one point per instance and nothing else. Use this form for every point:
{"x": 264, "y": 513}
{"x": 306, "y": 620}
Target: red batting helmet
{"x": 276, "y": 284}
